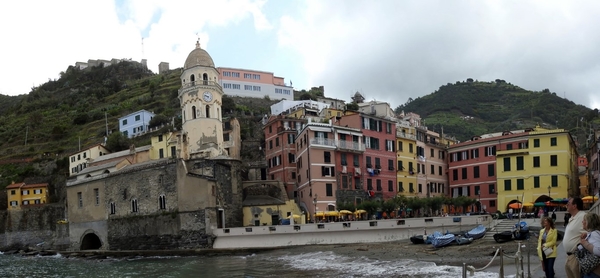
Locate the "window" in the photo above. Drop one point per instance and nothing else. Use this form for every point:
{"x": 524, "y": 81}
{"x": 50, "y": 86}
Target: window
{"x": 554, "y": 181}
{"x": 14, "y": 203}
{"x": 410, "y": 148}
{"x": 509, "y": 146}
{"x": 356, "y": 162}
{"x": 13, "y": 192}
{"x": 400, "y": 166}
{"x": 369, "y": 184}
{"x": 440, "y": 170}
{"x": 477, "y": 190}
{"x": 391, "y": 164}
{"x": 464, "y": 173}
{"x": 345, "y": 182}
{"x": 327, "y": 157}
{"x": 162, "y": 202}
{"x": 536, "y": 182}
{"x": 553, "y": 160}
{"x": 400, "y": 147}
{"x": 476, "y": 172}
{"x": 38, "y": 191}
{"x": 125, "y": 122}
{"x": 161, "y": 153}
{"x": 256, "y": 88}
{"x": 520, "y": 164}
{"x": 79, "y": 200}
{"x": 411, "y": 189}
{"x": 226, "y": 85}
{"x": 553, "y": 141}
{"x": 536, "y": 143}
{"x": 492, "y": 203}
{"x": 236, "y": 86}
{"x": 491, "y": 170}
{"x": 420, "y": 188}
{"x": 329, "y": 189}
{"x": 491, "y": 188}
{"x": 388, "y": 128}
{"x": 134, "y": 205}
{"x": 379, "y": 185}
{"x": 455, "y": 174}
{"x": 390, "y": 186}
{"x": 536, "y": 161}
{"x": 160, "y": 138}
{"x": 327, "y": 171}
{"x": 400, "y": 187}
{"x": 248, "y": 87}
{"x": 277, "y": 142}
{"x": 378, "y": 163}
{"x": 506, "y": 164}
{"x": 520, "y": 184}
{"x": 173, "y": 151}
{"x": 137, "y": 118}
{"x": 432, "y": 170}
{"x": 97, "y": 196}
{"x": 247, "y": 75}
{"x": 507, "y": 185}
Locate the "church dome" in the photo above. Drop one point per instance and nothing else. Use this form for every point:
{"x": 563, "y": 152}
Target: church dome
{"x": 198, "y": 57}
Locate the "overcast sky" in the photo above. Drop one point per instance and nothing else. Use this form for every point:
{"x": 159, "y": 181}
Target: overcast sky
{"x": 388, "y": 50}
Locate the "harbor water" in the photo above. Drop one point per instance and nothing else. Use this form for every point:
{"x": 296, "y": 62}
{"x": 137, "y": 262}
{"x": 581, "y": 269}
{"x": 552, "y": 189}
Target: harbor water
{"x": 274, "y": 263}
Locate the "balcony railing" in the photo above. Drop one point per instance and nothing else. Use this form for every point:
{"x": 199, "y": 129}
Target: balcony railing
{"x": 192, "y": 87}
{"x": 350, "y": 145}
{"x": 323, "y": 142}
{"x": 406, "y": 135}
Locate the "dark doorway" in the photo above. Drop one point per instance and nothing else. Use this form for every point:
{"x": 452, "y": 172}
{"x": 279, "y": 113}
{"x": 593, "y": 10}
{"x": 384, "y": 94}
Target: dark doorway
{"x": 220, "y": 219}
{"x": 275, "y": 219}
{"x": 91, "y": 242}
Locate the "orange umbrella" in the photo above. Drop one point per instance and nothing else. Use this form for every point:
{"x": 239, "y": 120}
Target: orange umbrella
{"x": 515, "y": 205}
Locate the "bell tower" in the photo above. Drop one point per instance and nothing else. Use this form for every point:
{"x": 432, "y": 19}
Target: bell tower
{"x": 200, "y": 98}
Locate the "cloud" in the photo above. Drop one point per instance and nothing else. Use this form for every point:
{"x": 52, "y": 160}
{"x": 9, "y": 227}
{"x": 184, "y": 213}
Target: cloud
{"x": 43, "y": 38}
{"x": 393, "y": 50}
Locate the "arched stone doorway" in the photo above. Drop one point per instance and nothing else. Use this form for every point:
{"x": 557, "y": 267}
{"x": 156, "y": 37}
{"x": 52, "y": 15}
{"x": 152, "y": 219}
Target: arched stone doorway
{"x": 90, "y": 241}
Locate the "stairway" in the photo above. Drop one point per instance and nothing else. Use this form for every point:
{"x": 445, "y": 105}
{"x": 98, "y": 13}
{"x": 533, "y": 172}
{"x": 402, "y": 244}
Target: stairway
{"x": 507, "y": 225}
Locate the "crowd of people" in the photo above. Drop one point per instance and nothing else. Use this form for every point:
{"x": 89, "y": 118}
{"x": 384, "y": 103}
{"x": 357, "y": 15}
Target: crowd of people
{"x": 581, "y": 241}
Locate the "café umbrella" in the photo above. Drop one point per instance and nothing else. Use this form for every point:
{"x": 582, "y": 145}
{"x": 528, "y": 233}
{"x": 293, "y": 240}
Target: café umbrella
{"x": 515, "y": 206}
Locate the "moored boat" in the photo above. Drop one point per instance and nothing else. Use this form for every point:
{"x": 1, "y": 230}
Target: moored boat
{"x": 503, "y": 236}
{"x": 442, "y": 240}
{"x": 418, "y": 239}
{"x": 476, "y": 233}
{"x": 460, "y": 240}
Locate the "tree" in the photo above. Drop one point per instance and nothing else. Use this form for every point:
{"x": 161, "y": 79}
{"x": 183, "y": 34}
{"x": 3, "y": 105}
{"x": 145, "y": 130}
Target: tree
{"x": 352, "y": 106}
{"x": 228, "y": 104}
{"x": 117, "y": 141}
{"x": 307, "y": 96}
{"x": 158, "y": 120}
{"x": 389, "y": 206}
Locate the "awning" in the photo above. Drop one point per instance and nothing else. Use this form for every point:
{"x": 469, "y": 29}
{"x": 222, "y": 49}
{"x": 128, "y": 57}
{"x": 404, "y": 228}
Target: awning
{"x": 589, "y": 199}
{"x": 344, "y": 211}
{"x": 515, "y": 206}
{"x": 528, "y": 204}
{"x": 360, "y": 211}
{"x": 539, "y": 204}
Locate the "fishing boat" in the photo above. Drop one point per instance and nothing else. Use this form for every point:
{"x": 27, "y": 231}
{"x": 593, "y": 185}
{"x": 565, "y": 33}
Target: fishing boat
{"x": 521, "y": 231}
{"x": 503, "y": 236}
{"x": 476, "y": 233}
{"x": 442, "y": 240}
{"x": 461, "y": 240}
{"x": 429, "y": 238}
{"x": 418, "y": 239}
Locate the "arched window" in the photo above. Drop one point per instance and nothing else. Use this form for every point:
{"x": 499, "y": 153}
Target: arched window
{"x": 193, "y": 112}
{"x": 192, "y": 80}
{"x": 113, "y": 207}
{"x": 205, "y": 78}
{"x": 208, "y": 111}
{"x": 162, "y": 202}
{"x": 134, "y": 205}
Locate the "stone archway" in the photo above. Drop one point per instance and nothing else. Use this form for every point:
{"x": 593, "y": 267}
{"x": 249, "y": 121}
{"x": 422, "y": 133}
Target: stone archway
{"x": 90, "y": 241}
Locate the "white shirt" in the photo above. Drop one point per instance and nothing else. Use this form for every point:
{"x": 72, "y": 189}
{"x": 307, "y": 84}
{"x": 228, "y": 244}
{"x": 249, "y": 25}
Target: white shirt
{"x": 573, "y": 231}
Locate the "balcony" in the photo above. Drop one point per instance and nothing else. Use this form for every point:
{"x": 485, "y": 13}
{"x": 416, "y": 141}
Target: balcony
{"x": 322, "y": 142}
{"x": 350, "y": 145}
{"x": 406, "y": 135}
{"x": 195, "y": 86}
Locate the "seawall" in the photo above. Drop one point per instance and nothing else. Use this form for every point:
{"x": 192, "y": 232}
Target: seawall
{"x": 341, "y": 232}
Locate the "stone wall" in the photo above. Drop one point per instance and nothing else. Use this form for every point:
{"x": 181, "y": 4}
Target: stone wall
{"x": 155, "y": 232}
{"x": 230, "y": 191}
{"x": 34, "y": 226}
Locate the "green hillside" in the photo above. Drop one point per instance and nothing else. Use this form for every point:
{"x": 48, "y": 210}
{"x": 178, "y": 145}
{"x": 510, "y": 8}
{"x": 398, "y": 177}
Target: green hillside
{"x": 498, "y": 106}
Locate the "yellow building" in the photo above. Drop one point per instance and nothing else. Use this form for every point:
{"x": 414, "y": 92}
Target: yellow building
{"x": 21, "y": 194}
{"x": 538, "y": 166}
{"x": 164, "y": 145}
{"x": 268, "y": 211}
{"x": 406, "y": 151}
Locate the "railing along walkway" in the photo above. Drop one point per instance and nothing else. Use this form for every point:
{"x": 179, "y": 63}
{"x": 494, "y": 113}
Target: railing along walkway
{"x": 518, "y": 257}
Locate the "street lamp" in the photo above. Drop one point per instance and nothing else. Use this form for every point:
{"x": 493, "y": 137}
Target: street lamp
{"x": 315, "y": 203}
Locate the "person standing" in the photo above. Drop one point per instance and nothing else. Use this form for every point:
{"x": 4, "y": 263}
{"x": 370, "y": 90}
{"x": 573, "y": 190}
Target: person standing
{"x": 554, "y": 216}
{"x": 572, "y": 236}
{"x": 547, "y": 239}
{"x": 591, "y": 240}
{"x": 510, "y": 212}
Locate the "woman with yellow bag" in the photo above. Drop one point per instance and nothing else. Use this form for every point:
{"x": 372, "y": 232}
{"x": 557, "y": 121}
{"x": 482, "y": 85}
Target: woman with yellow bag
{"x": 547, "y": 246}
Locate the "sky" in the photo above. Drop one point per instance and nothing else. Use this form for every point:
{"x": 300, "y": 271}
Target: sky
{"x": 389, "y": 50}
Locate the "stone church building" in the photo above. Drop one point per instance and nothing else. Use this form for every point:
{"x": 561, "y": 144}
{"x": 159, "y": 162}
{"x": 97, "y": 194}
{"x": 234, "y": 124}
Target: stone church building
{"x": 169, "y": 203}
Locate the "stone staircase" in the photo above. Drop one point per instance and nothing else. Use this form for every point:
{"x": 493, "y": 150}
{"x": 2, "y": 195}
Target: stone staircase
{"x": 502, "y": 225}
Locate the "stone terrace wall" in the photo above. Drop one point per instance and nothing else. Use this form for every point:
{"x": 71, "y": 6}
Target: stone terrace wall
{"x": 33, "y": 226}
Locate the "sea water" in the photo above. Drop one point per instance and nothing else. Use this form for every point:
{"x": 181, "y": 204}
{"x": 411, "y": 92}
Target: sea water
{"x": 277, "y": 263}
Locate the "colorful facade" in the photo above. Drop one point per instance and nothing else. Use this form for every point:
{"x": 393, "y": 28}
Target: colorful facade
{"x": 253, "y": 83}
{"x": 21, "y": 195}
{"x": 405, "y": 151}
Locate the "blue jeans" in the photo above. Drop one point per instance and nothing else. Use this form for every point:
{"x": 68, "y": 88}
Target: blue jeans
{"x": 591, "y": 275}
{"x": 549, "y": 266}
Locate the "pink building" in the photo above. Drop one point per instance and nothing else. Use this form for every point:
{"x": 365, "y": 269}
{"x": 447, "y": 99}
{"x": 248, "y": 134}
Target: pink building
{"x": 378, "y": 168}
{"x": 253, "y": 83}
{"x": 280, "y": 150}
{"x": 472, "y": 167}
